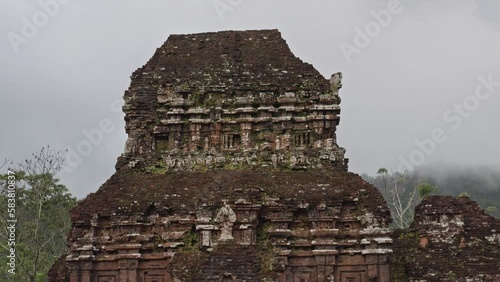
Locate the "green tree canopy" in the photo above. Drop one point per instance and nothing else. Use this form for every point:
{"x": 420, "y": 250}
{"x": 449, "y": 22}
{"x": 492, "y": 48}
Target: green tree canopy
{"x": 42, "y": 208}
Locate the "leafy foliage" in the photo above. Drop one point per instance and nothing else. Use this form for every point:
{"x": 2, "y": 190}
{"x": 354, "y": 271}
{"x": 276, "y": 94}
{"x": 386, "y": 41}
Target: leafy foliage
{"x": 42, "y": 214}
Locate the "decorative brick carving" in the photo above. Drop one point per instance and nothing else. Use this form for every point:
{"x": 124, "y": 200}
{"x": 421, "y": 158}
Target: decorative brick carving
{"x": 231, "y": 172}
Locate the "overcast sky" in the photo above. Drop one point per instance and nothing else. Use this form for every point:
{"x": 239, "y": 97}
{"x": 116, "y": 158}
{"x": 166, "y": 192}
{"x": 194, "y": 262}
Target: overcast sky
{"x": 418, "y": 75}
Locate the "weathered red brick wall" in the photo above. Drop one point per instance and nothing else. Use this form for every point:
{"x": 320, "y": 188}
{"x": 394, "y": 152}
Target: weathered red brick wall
{"x": 185, "y": 225}
{"x": 231, "y": 172}
{"x": 451, "y": 239}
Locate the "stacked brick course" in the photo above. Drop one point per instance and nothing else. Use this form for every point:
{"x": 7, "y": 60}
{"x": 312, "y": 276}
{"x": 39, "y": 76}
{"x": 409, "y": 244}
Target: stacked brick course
{"x": 229, "y": 99}
{"x": 451, "y": 239}
{"x": 232, "y": 172}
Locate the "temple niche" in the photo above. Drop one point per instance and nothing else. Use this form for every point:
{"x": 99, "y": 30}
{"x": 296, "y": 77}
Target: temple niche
{"x": 231, "y": 172}
{"x": 257, "y": 130}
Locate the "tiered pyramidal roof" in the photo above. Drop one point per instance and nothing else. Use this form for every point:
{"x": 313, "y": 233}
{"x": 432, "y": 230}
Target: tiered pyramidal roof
{"x": 231, "y": 98}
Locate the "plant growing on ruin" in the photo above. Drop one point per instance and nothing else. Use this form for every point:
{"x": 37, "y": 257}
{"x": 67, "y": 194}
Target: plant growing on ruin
{"x": 403, "y": 195}
{"x": 265, "y": 247}
{"x": 190, "y": 241}
{"x": 158, "y": 168}
{"x": 452, "y": 276}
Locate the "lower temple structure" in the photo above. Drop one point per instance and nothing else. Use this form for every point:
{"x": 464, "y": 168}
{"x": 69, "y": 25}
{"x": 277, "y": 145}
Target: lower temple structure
{"x": 234, "y": 225}
{"x": 232, "y": 172}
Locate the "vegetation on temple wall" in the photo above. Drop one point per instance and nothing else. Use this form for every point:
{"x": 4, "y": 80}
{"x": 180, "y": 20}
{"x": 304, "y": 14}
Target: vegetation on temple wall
{"x": 265, "y": 248}
{"x": 408, "y": 243}
{"x": 190, "y": 240}
{"x": 158, "y": 168}
{"x": 452, "y": 276}
{"x": 411, "y": 239}
{"x": 161, "y": 145}
{"x": 157, "y": 241}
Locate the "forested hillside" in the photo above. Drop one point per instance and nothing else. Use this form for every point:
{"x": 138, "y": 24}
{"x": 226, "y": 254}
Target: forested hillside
{"x": 481, "y": 183}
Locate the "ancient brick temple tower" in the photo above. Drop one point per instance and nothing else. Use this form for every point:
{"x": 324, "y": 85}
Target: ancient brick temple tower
{"x": 231, "y": 172}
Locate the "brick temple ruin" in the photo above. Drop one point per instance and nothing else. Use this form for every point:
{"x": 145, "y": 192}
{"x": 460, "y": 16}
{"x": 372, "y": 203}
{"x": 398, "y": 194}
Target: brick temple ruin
{"x": 451, "y": 239}
{"x": 231, "y": 172}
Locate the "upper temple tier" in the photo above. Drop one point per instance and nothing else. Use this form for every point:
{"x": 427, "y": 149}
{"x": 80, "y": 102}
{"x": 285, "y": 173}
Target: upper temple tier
{"x": 231, "y": 99}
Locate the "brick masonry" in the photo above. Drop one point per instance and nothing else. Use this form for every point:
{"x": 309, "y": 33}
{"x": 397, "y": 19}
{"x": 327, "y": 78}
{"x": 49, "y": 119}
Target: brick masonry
{"x": 232, "y": 172}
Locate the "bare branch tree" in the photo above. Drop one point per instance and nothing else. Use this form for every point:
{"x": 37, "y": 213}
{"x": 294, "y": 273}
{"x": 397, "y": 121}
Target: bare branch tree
{"x": 46, "y": 161}
{"x": 6, "y": 161}
{"x": 403, "y": 196}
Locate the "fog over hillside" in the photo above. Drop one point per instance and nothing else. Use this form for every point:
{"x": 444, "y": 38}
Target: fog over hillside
{"x": 479, "y": 178}
{"x": 481, "y": 183}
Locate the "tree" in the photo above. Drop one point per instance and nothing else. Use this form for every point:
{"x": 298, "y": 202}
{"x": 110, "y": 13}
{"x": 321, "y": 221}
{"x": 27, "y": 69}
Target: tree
{"x": 425, "y": 189}
{"x": 42, "y": 208}
{"x": 403, "y": 194}
{"x": 491, "y": 210}
{"x": 4, "y": 163}
{"x": 464, "y": 195}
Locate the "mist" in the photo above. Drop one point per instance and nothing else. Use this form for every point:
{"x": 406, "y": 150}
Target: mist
{"x": 413, "y": 69}
{"x": 453, "y": 177}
